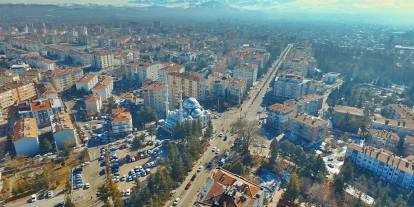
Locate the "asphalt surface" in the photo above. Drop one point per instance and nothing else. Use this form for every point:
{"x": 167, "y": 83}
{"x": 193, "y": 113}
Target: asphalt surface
{"x": 249, "y": 110}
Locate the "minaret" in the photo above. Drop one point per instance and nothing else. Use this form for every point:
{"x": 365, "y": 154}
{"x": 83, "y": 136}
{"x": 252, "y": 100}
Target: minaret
{"x": 181, "y": 103}
{"x": 167, "y": 103}
{"x": 44, "y": 29}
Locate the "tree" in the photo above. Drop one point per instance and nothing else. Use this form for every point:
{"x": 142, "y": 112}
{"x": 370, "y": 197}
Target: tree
{"x": 146, "y": 115}
{"x": 274, "y": 151}
{"x": 68, "y": 202}
{"x": 293, "y": 188}
{"x": 137, "y": 142}
{"x": 339, "y": 185}
{"x": 245, "y": 134}
{"x": 209, "y": 130}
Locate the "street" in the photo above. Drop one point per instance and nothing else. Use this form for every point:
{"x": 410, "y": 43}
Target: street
{"x": 248, "y": 110}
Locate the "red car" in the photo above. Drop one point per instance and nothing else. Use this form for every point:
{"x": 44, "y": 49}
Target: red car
{"x": 188, "y": 185}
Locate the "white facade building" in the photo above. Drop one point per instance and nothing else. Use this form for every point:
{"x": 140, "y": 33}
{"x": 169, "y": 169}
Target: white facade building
{"x": 87, "y": 82}
{"x": 384, "y": 164}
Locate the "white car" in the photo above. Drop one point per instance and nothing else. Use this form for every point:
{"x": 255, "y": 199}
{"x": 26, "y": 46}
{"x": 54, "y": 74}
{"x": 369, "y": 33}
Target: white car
{"x": 176, "y": 201}
{"x": 128, "y": 192}
{"x": 34, "y": 198}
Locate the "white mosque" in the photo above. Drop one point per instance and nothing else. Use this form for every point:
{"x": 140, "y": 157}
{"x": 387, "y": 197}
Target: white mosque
{"x": 190, "y": 110}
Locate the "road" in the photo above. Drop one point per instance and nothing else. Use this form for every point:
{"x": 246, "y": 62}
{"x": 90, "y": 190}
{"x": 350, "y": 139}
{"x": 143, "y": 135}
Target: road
{"x": 50, "y": 202}
{"x": 328, "y": 92}
{"x": 248, "y": 110}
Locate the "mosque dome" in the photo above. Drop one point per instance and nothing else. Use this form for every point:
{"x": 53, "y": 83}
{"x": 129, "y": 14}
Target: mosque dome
{"x": 191, "y": 103}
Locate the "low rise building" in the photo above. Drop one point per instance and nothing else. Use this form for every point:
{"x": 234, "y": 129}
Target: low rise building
{"x": 346, "y": 112}
{"x": 224, "y": 188}
{"x": 87, "y": 82}
{"x": 25, "y": 137}
{"x": 384, "y": 164}
{"x": 171, "y": 68}
{"x": 121, "y": 121}
{"x": 64, "y": 132}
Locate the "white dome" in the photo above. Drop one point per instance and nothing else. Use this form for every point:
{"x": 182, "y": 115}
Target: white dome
{"x": 191, "y": 103}
{"x": 197, "y": 113}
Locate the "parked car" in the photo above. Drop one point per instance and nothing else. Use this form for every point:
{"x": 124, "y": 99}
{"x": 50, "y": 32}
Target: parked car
{"x": 188, "y": 185}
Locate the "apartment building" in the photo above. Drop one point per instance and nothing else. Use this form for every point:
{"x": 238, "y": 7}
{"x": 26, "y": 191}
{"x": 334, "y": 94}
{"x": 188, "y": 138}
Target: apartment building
{"x": 247, "y": 72}
{"x": 8, "y": 77}
{"x": 170, "y": 68}
{"x": 409, "y": 145}
{"x": 383, "y": 139}
{"x": 224, "y": 188}
{"x": 87, "y": 82}
{"x": 25, "y": 137}
{"x": 65, "y": 52}
{"x": 93, "y": 104}
{"x": 289, "y": 86}
{"x": 235, "y": 91}
{"x": 396, "y": 111}
{"x": 278, "y": 116}
{"x": 121, "y": 121}
{"x": 104, "y": 87}
{"x": 306, "y": 129}
{"x": 103, "y": 59}
{"x": 346, "y": 112}
{"x": 186, "y": 85}
{"x": 64, "y": 132}
{"x": 15, "y": 92}
{"x": 309, "y": 104}
{"x": 63, "y": 79}
{"x": 156, "y": 96}
{"x": 384, "y": 164}
{"x": 46, "y": 90}
{"x": 41, "y": 110}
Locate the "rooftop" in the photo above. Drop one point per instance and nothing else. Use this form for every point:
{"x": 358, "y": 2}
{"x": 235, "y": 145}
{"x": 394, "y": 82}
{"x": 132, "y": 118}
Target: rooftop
{"x": 26, "y": 127}
{"x": 283, "y": 108}
{"x": 87, "y": 78}
{"x": 349, "y": 110}
{"x": 383, "y": 134}
{"x": 93, "y": 97}
{"x": 40, "y": 105}
{"x": 231, "y": 190}
{"x": 310, "y": 120}
{"x": 61, "y": 121}
{"x": 122, "y": 117}
{"x": 385, "y": 157}
{"x": 154, "y": 85}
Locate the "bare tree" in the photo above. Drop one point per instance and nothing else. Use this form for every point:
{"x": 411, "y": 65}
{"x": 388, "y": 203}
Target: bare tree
{"x": 245, "y": 131}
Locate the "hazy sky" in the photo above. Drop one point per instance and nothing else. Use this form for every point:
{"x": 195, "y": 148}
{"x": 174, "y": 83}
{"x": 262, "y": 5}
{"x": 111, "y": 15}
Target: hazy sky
{"x": 403, "y": 7}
